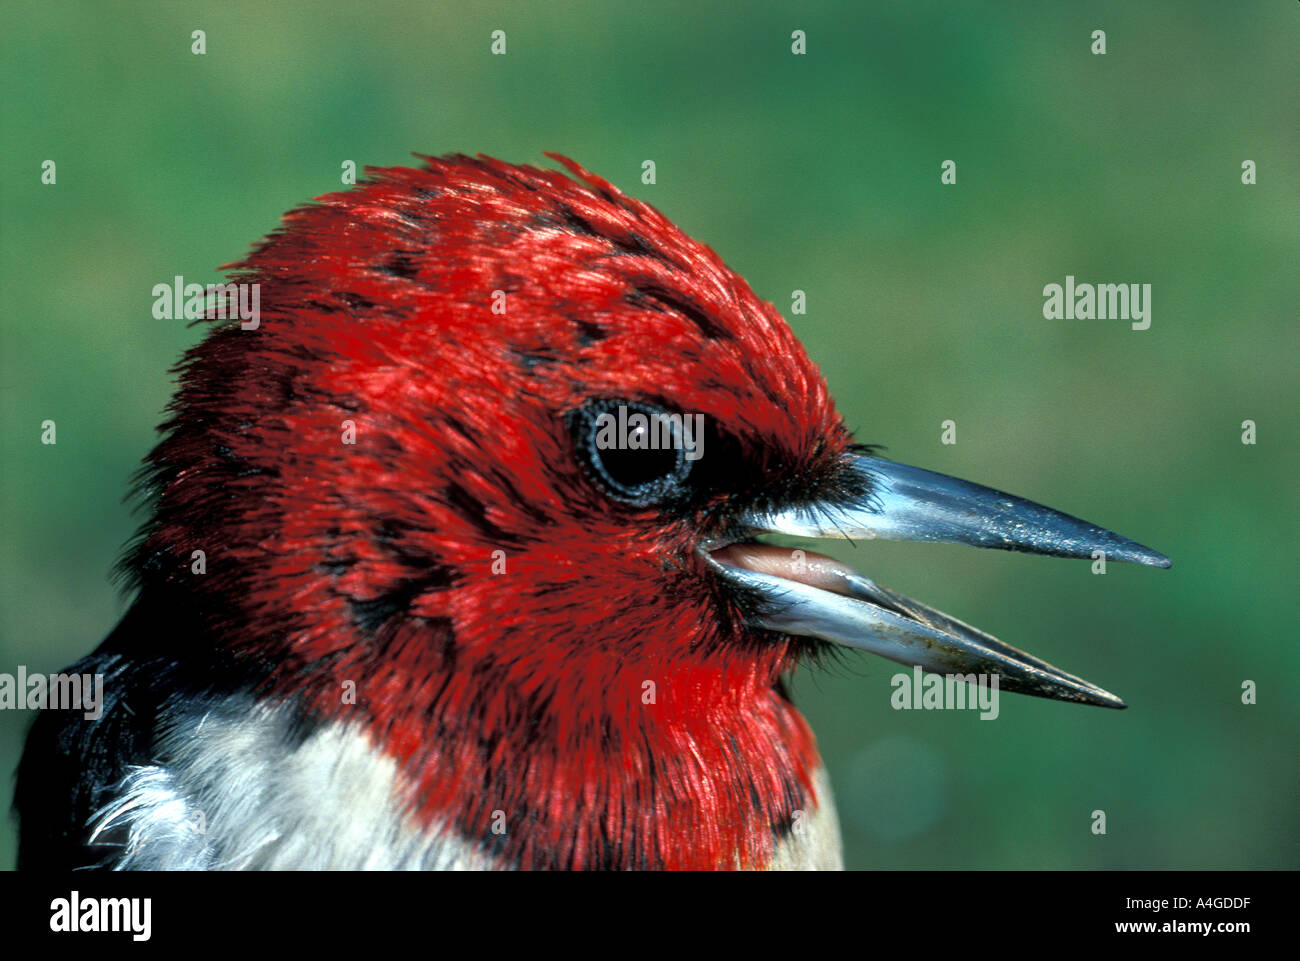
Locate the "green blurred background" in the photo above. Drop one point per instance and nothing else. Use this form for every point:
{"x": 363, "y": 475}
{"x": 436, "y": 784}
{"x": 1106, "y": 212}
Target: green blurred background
{"x": 818, "y": 172}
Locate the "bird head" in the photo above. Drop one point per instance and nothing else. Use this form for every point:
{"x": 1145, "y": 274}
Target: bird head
{"x": 498, "y": 456}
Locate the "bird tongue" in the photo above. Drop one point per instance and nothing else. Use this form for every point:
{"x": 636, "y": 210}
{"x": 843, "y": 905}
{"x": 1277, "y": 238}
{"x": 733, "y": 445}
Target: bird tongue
{"x": 805, "y": 567}
{"x": 826, "y": 574}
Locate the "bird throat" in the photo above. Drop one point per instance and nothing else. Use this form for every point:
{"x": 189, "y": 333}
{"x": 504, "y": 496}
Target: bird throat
{"x": 700, "y": 766}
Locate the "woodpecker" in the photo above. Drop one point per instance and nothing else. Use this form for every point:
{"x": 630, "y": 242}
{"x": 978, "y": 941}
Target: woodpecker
{"x": 457, "y": 608}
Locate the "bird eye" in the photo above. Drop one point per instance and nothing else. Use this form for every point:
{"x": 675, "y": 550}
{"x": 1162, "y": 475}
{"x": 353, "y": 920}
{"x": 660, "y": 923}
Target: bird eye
{"x": 636, "y": 452}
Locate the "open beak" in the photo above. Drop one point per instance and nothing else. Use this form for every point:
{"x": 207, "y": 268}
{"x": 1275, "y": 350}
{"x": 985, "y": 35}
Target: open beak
{"x": 814, "y": 596}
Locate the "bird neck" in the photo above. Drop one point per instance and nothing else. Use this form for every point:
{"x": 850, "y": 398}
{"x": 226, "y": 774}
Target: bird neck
{"x": 610, "y": 763}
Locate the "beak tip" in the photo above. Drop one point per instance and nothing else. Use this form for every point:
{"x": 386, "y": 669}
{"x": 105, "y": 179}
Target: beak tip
{"x": 1145, "y": 556}
{"x": 1096, "y": 697}
{"x": 1084, "y": 693}
{"x": 1103, "y": 698}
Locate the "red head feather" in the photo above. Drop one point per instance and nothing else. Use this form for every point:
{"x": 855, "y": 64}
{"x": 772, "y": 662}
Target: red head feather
{"x": 523, "y": 691}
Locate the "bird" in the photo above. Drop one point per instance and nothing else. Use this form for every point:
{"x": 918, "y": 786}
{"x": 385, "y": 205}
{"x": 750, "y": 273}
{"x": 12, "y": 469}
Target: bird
{"x": 455, "y": 559}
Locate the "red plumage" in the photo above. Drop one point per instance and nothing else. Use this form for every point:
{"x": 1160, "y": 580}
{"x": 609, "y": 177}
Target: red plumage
{"x": 521, "y": 691}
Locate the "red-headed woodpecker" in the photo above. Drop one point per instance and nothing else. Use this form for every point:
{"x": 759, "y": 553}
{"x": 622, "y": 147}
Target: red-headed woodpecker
{"x": 478, "y": 499}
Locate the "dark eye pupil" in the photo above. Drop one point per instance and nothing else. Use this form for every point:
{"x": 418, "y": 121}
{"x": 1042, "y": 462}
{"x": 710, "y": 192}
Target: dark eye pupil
{"x": 636, "y": 468}
{"x": 635, "y": 452}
